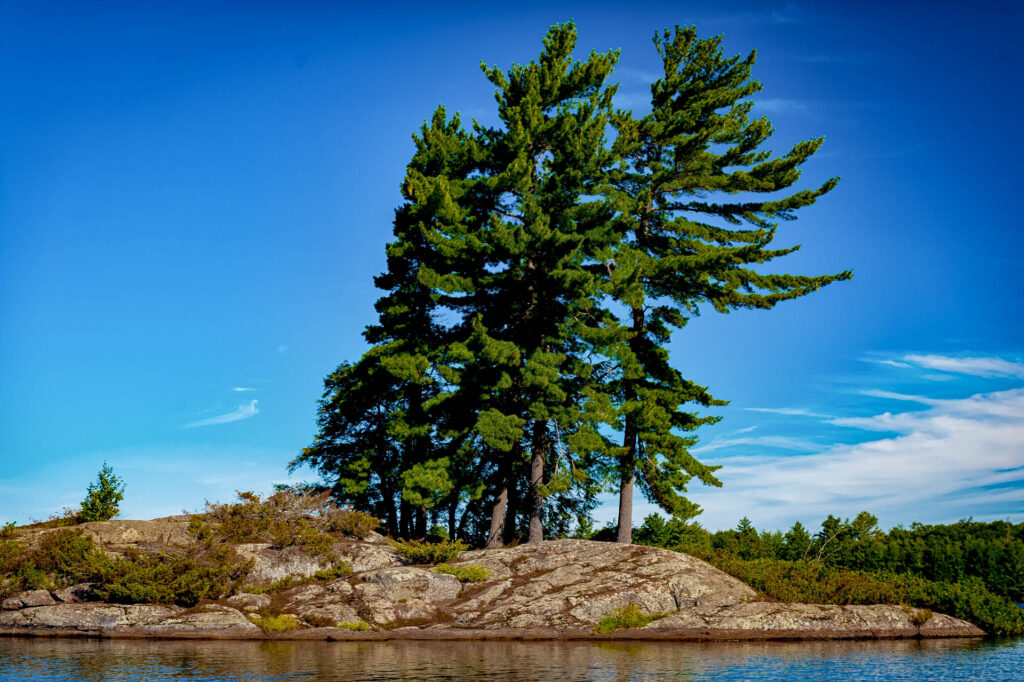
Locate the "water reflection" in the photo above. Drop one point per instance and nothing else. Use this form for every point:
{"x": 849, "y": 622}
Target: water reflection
{"x": 96, "y": 660}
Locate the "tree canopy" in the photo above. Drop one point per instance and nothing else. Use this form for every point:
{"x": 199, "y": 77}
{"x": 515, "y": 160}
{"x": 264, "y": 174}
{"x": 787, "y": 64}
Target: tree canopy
{"x": 539, "y": 268}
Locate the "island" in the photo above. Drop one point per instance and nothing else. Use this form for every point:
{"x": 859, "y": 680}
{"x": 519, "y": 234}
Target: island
{"x": 359, "y": 587}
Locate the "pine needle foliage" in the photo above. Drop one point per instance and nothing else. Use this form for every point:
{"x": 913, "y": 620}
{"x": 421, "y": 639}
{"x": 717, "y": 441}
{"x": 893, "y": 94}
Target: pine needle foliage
{"x": 539, "y": 268}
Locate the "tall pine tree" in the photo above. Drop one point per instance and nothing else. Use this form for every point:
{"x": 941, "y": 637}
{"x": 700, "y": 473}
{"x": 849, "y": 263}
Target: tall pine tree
{"x": 679, "y": 249}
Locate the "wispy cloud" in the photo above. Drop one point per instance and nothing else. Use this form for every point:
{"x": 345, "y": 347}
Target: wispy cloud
{"x": 852, "y": 59}
{"x": 243, "y": 412}
{"x": 789, "y": 411}
{"x": 938, "y": 465}
{"x": 781, "y": 442}
{"x": 780, "y": 105}
{"x": 890, "y": 363}
{"x": 242, "y": 389}
{"x": 974, "y": 366}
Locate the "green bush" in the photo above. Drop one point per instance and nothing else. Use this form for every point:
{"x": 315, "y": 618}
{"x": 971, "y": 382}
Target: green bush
{"x": 102, "y": 497}
{"x": 282, "y": 623}
{"x": 465, "y": 574}
{"x": 629, "y": 615}
{"x": 357, "y": 627}
{"x": 429, "y": 552}
{"x": 820, "y": 583}
{"x": 165, "y": 578}
{"x": 287, "y": 519}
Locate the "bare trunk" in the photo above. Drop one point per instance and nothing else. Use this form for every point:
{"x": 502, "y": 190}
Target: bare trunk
{"x": 511, "y": 534}
{"x": 405, "y": 522}
{"x": 421, "y": 523}
{"x": 452, "y": 510}
{"x": 500, "y": 506}
{"x": 539, "y": 449}
{"x": 628, "y": 464}
{"x": 625, "y": 535}
{"x": 497, "y": 532}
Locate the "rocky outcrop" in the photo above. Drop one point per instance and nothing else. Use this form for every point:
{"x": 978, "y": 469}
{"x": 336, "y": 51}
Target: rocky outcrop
{"x": 556, "y": 589}
{"x": 814, "y": 620}
{"x": 574, "y": 583}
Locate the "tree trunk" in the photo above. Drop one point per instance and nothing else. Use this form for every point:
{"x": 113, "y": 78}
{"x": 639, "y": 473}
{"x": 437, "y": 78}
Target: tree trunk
{"x": 421, "y": 523}
{"x": 405, "y": 522}
{"x": 511, "y": 534}
{"x": 498, "y": 509}
{"x": 625, "y": 535}
{"x": 452, "y": 510}
{"x": 628, "y": 464}
{"x": 539, "y": 450}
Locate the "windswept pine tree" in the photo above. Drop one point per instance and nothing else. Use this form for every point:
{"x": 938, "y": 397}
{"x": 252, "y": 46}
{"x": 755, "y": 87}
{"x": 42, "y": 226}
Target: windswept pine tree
{"x": 537, "y": 274}
{"x": 517, "y": 277}
{"x": 689, "y": 193}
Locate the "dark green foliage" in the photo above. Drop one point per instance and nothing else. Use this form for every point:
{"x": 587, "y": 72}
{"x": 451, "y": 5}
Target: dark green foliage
{"x": 429, "y": 552}
{"x": 519, "y": 359}
{"x": 102, "y": 497}
{"x": 172, "y": 578}
{"x": 968, "y": 569}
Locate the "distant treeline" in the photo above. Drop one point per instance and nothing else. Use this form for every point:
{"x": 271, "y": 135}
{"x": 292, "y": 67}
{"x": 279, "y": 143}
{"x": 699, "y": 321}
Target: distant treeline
{"x": 969, "y": 569}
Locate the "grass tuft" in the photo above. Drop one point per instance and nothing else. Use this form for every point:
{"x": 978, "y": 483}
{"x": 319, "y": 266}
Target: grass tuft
{"x": 282, "y": 623}
{"x": 465, "y": 574}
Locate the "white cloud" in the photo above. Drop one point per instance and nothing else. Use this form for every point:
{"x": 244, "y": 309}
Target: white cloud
{"x": 780, "y": 105}
{"x": 243, "y": 412}
{"x": 892, "y": 363}
{"x": 789, "y": 411}
{"x": 980, "y": 367}
{"x": 939, "y": 466}
{"x": 782, "y": 442}
{"x": 242, "y": 389}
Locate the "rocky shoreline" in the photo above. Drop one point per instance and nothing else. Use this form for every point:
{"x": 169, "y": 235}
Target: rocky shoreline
{"x": 556, "y": 590}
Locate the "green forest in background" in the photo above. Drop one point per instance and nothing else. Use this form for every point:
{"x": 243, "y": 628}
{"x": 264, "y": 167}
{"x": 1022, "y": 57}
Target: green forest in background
{"x": 969, "y": 569}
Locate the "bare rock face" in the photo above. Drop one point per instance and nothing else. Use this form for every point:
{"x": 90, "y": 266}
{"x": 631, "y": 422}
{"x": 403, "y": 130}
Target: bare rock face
{"x": 74, "y": 594}
{"x": 27, "y": 599}
{"x": 372, "y": 554}
{"x": 87, "y": 617}
{"x": 409, "y": 582}
{"x": 250, "y": 602}
{"x": 573, "y": 583}
{"x": 209, "y": 617}
{"x": 814, "y": 620}
{"x": 273, "y": 563}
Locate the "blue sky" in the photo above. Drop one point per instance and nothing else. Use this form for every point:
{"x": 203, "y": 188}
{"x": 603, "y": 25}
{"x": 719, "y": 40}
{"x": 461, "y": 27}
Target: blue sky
{"x": 194, "y": 198}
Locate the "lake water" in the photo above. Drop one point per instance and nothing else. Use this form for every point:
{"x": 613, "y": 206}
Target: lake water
{"x": 83, "y": 659}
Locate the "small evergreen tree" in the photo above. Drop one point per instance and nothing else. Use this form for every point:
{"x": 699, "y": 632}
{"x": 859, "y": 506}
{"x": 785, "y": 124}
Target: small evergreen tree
{"x": 102, "y": 497}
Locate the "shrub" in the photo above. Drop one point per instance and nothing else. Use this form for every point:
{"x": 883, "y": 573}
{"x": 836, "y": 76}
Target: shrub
{"x": 429, "y": 552}
{"x": 102, "y": 497}
{"x": 465, "y": 574}
{"x": 287, "y": 518}
{"x": 8, "y": 531}
{"x": 357, "y": 627}
{"x": 353, "y": 523}
{"x": 339, "y": 570}
{"x": 817, "y": 582}
{"x": 629, "y": 615}
{"x": 918, "y": 617}
{"x": 164, "y": 578}
{"x": 282, "y": 623}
